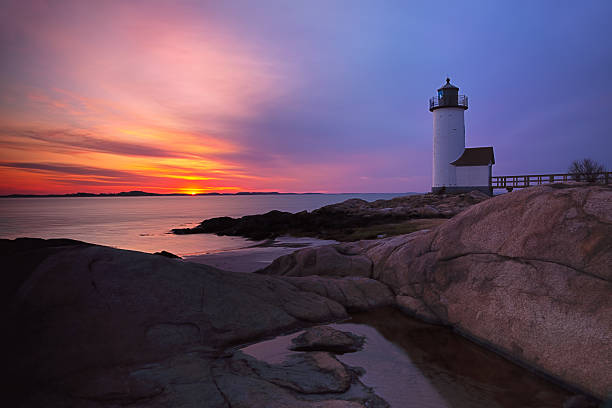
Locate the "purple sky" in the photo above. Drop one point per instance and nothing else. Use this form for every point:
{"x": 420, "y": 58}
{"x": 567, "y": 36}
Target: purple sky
{"x": 293, "y": 95}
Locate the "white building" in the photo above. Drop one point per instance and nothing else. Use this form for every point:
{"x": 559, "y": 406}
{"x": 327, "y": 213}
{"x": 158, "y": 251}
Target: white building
{"x": 455, "y": 168}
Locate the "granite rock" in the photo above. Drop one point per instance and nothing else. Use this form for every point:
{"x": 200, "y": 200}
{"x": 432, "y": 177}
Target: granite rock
{"x": 354, "y": 293}
{"x": 528, "y": 273}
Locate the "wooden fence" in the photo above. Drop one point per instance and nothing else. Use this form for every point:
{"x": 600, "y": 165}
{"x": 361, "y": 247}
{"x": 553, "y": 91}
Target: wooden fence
{"x": 512, "y": 182}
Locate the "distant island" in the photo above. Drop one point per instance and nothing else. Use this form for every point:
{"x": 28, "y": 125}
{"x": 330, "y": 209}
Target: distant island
{"x": 146, "y": 194}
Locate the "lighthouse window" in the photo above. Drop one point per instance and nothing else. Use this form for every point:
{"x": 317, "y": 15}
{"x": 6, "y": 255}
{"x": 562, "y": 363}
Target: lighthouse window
{"x": 439, "y": 94}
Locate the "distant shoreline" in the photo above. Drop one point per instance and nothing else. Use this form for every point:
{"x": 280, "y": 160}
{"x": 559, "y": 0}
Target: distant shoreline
{"x": 145, "y": 194}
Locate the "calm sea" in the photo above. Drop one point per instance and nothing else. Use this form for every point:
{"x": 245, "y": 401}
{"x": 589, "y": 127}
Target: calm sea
{"x": 143, "y": 223}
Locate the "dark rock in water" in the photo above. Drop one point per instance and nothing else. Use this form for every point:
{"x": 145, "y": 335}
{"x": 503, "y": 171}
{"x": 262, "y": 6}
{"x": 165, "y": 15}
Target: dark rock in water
{"x": 527, "y": 273}
{"x": 307, "y": 373}
{"x": 325, "y": 338}
{"x": 337, "y": 221}
{"x": 212, "y": 225}
{"x": 167, "y": 254}
{"x": 268, "y": 225}
{"x": 305, "y": 380}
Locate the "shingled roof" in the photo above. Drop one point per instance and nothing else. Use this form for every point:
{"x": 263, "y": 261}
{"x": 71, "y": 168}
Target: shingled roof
{"x": 476, "y": 156}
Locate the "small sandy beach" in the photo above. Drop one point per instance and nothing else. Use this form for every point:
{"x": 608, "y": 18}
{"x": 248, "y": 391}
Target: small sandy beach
{"x": 257, "y": 256}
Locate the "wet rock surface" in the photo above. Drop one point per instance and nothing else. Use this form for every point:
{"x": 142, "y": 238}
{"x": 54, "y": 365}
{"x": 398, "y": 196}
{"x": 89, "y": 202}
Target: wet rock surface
{"x": 325, "y": 338}
{"x": 306, "y": 380}
{"x": 527, "y": 273}
{"x": 305, "y": 373}
{"x": 338, "y": 221}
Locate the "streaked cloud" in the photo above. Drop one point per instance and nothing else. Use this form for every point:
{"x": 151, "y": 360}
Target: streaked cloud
{"x": 69, "y": 169}
{"x": 72, "y": 141}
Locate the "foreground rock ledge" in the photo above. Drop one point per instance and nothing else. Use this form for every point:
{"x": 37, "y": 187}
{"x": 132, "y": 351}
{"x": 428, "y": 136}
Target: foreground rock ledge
{"x": 93, "y": 326}
{"x": 528, "y": 273}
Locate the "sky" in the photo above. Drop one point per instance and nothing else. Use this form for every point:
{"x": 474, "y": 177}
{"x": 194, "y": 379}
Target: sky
{"x": 292, "y": 96}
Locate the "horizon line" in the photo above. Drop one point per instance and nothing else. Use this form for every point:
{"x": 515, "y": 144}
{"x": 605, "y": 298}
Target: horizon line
{"x": 139, "y": 193}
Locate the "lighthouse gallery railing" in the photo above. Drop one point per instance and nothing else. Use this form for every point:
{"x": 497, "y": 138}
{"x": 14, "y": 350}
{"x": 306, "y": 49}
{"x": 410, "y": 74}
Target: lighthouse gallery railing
{"x": 436, "y": 102}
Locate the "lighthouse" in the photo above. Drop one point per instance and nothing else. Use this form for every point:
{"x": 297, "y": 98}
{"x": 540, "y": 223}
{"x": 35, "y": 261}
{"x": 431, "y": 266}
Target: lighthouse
{"x": 455, "y": 168}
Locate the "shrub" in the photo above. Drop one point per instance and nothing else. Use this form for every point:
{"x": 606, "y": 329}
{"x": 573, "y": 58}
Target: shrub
{"x": 586, "y": 169}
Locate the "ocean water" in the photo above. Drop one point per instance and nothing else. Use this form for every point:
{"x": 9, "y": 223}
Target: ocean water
{"x": 143, "y": 223}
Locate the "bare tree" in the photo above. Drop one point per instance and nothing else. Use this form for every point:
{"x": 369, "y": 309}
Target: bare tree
{"x": 586, "y": 169}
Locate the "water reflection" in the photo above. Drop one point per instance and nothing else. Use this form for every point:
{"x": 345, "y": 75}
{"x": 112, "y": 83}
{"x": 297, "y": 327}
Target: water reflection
{"x": 414, "y": 364}
{"x": 142, "y": 223}
{"x": 462, "y": 373}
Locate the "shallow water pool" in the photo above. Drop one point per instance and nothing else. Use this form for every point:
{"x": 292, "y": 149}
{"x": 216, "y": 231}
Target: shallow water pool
{"x": 414, "y": 364}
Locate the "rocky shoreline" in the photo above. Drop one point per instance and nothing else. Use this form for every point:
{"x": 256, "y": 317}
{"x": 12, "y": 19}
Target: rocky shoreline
{"x": 526, "y": 273}
{"x": 350, "y": 220}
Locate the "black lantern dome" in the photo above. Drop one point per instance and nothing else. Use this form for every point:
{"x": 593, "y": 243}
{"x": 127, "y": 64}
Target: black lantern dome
{"x": 448, "y": 97}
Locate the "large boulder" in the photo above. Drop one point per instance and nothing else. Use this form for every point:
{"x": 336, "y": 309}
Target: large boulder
{"x": 356, "y": 294}
{"x": 328, "y": 260}
{"x": 83, "y": 322}
{"x": 528, "y": 273}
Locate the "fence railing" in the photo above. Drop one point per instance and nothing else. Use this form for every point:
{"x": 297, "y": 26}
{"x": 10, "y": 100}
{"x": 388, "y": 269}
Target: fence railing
{"x": 511, "y": 182}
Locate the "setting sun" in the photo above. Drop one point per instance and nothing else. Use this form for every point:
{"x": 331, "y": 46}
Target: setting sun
{"x": 191, "y": 190}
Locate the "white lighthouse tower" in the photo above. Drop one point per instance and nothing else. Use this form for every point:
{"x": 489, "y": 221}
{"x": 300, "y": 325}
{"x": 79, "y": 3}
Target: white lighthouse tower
{"x": 455, "y": 168}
